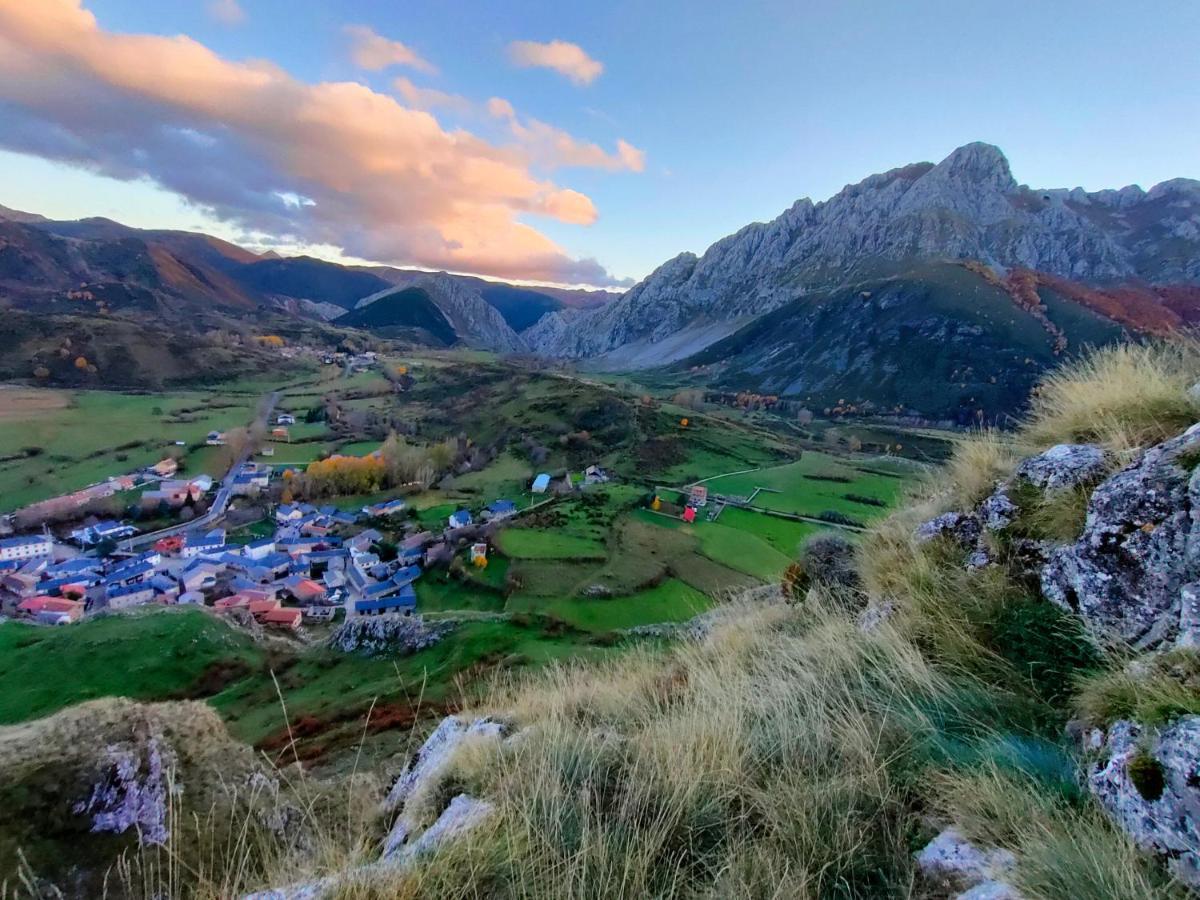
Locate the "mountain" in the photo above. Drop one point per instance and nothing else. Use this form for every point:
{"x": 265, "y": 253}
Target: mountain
{"x": 97, "y": 266}
{"x": 469, "y": 318}
{"x": 1129, "y": 258}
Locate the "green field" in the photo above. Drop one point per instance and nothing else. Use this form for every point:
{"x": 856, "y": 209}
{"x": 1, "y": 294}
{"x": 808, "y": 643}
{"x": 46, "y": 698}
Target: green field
{"x": 670, "y": 601}
{"x": 792, "y": 488}
{"x": 86, "y": 436}
{"x": 527, "y": 543}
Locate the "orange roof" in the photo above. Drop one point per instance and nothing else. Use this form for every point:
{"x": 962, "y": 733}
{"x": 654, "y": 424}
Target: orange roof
{"x": 233, "y": 601}
{"x": 43, "y": 603}
{"x": 260, "y": 607}
{"x": 308, "y": 588}
{"x": 289, "y": 617}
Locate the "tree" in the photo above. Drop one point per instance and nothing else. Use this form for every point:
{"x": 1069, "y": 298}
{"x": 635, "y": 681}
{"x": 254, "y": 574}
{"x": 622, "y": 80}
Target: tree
{"x": 81, "y": 363}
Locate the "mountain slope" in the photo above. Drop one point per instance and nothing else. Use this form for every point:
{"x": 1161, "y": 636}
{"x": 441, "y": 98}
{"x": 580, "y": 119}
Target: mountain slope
{"x": 402, "y": 312}
{"x": 968, "y": 207}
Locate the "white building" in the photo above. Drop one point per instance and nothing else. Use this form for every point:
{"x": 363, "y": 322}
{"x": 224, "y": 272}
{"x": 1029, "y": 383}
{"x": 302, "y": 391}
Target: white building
{"x": 27, "y": 546}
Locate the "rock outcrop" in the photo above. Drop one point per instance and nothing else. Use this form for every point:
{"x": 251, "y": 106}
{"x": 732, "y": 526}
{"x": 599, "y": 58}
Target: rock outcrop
{"x": 967, "y": 207}
{"x": 973, "y": 872}
{"x": 1140, "y": 549}
{"x": 1149, "y": 781}
{"x": 387, "y": 635}
{"x": 411, "y": 800}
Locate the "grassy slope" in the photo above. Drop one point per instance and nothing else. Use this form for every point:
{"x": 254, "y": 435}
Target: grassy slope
{"x": 794, "y": 747}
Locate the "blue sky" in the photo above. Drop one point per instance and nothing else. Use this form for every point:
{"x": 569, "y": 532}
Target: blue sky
{"x": 739, "y": 108}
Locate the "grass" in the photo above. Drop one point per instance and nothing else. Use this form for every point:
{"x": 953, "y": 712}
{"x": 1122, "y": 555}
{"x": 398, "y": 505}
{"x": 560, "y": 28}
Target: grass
{"x": 529, "y": 543}
{"x": 670, "y": 601}
{"x": 148, "y": 655}
{"x": 95, "y": 434}
{"x": 800, "y": 487}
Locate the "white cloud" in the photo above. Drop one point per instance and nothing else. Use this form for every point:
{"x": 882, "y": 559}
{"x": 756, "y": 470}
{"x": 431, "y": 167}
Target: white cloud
{"x": 554, "y": 148}
{"x": 563, "y": 57}
{"x": 430, "y": 98}
{"x": 374, "y": 52}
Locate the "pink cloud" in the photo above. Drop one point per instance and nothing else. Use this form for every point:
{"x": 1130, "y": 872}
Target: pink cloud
{"x": 563, "y": 57}
{"x": 374, "y": 52}
{"x": 380, "y": 180}
{"x": 227, "y": 12}
{"x": 430, "y": 98}
{"x": 553, "y": 148}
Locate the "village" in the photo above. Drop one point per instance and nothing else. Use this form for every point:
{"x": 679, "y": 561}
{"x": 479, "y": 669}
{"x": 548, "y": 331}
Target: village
{"x": 319, "y": 563}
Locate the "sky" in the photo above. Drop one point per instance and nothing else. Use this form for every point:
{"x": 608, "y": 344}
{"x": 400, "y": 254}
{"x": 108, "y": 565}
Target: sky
{"x": 572, "y": 143}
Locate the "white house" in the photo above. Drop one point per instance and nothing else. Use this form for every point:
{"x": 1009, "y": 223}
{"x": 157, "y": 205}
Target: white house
{"x": 27, "y": 546}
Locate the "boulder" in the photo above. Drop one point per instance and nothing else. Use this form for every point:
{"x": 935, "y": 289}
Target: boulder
{"x": 392, "y": 635}
{"x": 1063, "y": 466}
{"x": 998, "y": 511}
{"x": 429, "y": 762}
{"x": 1150, "y": 784}
{"x": 952, "y": 860}
{"x": 1139, "y": 549}
{"x": 963, "y": 528}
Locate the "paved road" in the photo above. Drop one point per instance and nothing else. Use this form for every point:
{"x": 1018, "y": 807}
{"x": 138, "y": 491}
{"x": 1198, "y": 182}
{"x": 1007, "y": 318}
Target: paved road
{"x": 220, "y": 504}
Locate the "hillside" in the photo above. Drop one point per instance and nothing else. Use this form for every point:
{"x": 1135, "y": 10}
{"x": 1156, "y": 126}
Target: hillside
{"x": 1129, "y": 256}
{"x": 402, "y": 312}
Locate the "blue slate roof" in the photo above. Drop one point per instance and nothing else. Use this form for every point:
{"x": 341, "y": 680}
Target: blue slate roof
{"x": 406, "y": 598}
{"x": 502, "y": 507}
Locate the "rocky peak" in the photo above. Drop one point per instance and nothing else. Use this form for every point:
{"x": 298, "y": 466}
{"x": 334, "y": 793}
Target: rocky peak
{"x": 978, "y": 163}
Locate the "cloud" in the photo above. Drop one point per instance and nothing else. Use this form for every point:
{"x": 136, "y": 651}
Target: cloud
{"x": 227, "y": 12}
{"x": 430, "y": 98}
{"x": 563, "y": 57}
{"x": 243, "y": 140}
{"x": 553, "y": 148}
{"x": 374, "y": 52}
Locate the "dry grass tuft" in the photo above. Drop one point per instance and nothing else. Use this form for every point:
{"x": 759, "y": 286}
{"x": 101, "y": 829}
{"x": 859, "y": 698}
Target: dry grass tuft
{"x": 1122, "y": 397}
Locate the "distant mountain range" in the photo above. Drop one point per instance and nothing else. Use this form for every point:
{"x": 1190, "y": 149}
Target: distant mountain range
{"x": 184, "y": 279}
{"x": 945, "y": 288}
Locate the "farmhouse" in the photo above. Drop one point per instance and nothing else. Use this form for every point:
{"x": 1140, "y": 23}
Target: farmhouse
{"x": 51, "y": 610}
{"x": 460, "y": 518}
{"x": 501, "y": 509}
{"x": 282, "y": 618}
{"x": 698, "y": 496}
{"x": 215, "y": 439}
{"x": 32, "y": 546}
{"x": 165, "y": 468}
{"x": 402, "y": 602}
{"x": 285, "y": 419}
{"x": 384, "y": 510}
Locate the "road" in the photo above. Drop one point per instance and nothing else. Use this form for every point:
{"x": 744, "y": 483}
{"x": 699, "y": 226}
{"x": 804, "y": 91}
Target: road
{"x": 220, "y": 503}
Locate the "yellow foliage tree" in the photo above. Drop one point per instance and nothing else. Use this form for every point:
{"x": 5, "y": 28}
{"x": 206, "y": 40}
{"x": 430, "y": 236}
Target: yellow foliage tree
{"x": 81, "y": 363}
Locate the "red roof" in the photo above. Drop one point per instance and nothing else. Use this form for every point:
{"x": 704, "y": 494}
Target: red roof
{"x": 307, "y": 590}
{"x": 35, "y": 605}
{"x": 689, "y": 515}
{"x": 262, "y": 607}
{"x": 289, "y": 618}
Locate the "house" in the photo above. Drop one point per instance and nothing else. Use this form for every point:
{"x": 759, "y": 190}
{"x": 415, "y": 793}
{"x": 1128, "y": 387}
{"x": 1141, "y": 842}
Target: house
{"x": 289, "y": 512}
{"x": 260, "y": 549}
{"x": 595, "y": 475}
{"x": 401, "y": 602}
{"x": 215, "y": 439}
{"x": 125, "y": 596}
{"x": 166, "y": 588}
{"x": 406, "y": 575}
{"x": 297, "y": 546}
{"x": 260, "y": 607}
{"x": 203, "y": 482}
{"x": 500, "y": 509}
{"x": 541, "y": 483}
{"x": 478, "y": 553}
{"x": 304, "y": 590}
{"x": 172, "y": 492}
{"x": 195, "y": 543}
{"x": 28, "y": 546}
{"x": 698, "y": 495}
{"x": 385, "y": 510}
{"x": 51, "y": 610}
{"x": 282, "y": 618}
{"x": 689, "y": 514}
{"x": 320, "y": 613}
{"x": 266, "y": 451}
{"x": 200, "y": 576}
{"x": 285, "y": 419}
{"x": 460, "y": 518}
{"x": 233, "y": 601}
{"x": 165, "y": 468}
{"x": 130, "y": 572}
{"x": 364, "y": 539}
{"x": 280, "y": 434}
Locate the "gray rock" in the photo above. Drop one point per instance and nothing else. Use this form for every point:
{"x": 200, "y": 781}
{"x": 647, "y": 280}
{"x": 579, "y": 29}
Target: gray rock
{"x": 963, "y": 528}
{"x": 875, "y": 615}
{"x": 429, "y": 762}
{"x": 1189, "y": 616}
{"x": 1063, "y": 466}
{"x": 1140, "y": 547}
{"x": 990, "y": 890}
{"x": 1163, "y": 818}
{"x": 392, "y": 635}
{"x": 135, "y": 792}
{"x": 463, "y": 814}
{"x": 998, "y": 511}
{"x": 951, "y": 858}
